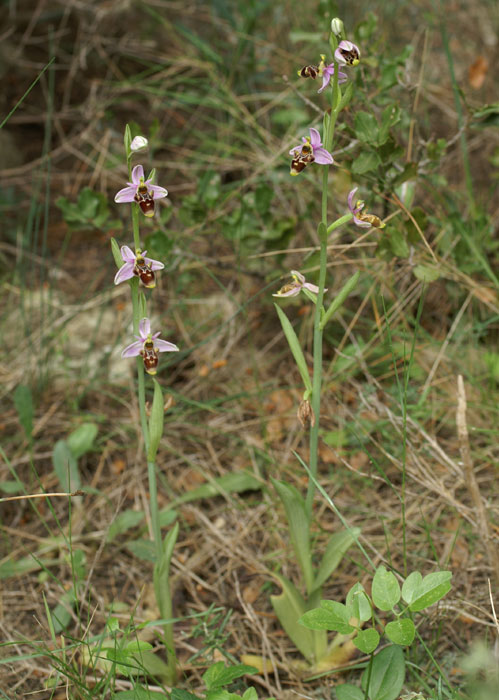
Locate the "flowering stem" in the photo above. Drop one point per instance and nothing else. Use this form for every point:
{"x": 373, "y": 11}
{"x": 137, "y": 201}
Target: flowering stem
{"x": 317, "y": 352}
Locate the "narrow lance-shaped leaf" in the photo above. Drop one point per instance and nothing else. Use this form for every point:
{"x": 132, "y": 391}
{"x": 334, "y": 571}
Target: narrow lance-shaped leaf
{"x": 115, "y": 249}
{"x": 298, "y": 521}
{"x": 289, "y": 606}
{"x": 340, "y": 299}
{"x": 335, "y": 551}
{"x": 81, "y": 440}
{"x": 387, "y": 674}
{"x": 295, "y": 347}
{"x": 23, "y": 401}
{"x": 155, "y": 422}
{"x": 161, "y": 574}
{"x": 347, "y": 96}
{"x": 127, "y": 141}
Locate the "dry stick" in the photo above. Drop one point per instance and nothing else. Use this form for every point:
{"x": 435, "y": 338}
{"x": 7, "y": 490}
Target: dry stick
{"x": 41, "y": 495}
{"x": 464, "y": 447}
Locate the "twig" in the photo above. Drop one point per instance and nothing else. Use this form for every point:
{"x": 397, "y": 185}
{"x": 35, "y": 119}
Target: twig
{"x": 41, "y": 495}
{"x": 464, "y": 447}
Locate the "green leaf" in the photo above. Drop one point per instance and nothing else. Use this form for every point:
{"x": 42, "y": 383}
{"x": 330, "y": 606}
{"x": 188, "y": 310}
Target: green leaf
{"x": 387, "y": 674}
{"x": 430, "y": 590}
{"x": 299, "y": 528}
{"x": 180, "y": 694}
{"x": 11, "y": 487}
{"x": 219, "y": 674}
{"x": 23, "y": 401}
{"x": 123, "y": 522}
{"x": 115, "y": 249}
{"x": 367, "y": 640}
{"x": 398, "y": 243}
{"x": 385, "y": 590}
{"x": 411, "y": 585}
{"x": 250, "y": 694}
{"x": 142, "y": 549}
{"x": 62, "y": 613}
{"x": 401, "y": 631}
{"x": 426, "y": 273}
{"x": 167, "y": 516}
{"x": 409, "y": 172}
{"x": 295, "y": 347}
{"x": 335, "y": 551}
{"x": 136, "y": 645}
{"x": 65, "y": 466}
{"x": 234, "y": 482}
{"x": 140, "y": 693}
{"x": 340, "y": 299}
{"x": 347, "y": 96}
{"x": 127, "y": 139}
{"x": 332, "y": 615}
{"x": 152, "y": 664}
{"x": 348, "y": 692}
{"x": 161, "y": 573}
{"x": 289, "y": 606}
{"x": 365, "y": 162}
{"x": 156, "y": 422}
{"x": 358, "y": 603}
{"x": 366, "y": 127}
{"x": 18, "y": 567}
{"x": 82, "y": 439}
{"x": 390, "y": 117}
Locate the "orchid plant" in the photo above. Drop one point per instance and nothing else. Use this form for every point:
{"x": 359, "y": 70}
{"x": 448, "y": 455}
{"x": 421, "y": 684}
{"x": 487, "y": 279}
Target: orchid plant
{"x": 292, "y": 604}
{"x": 140, "y": 271}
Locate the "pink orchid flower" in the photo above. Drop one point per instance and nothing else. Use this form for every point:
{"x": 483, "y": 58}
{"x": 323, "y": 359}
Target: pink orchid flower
{"x": 309, "y": 151}
{"x": 294, "y": 288}
{"x": 327, "y": 74}
{"x": 139, "y": 266}
{"x": 360, "y": 218}
{"x": 141, "y": 191}
{"x": 148, "y": 346}
{"x": 347, "y": 53}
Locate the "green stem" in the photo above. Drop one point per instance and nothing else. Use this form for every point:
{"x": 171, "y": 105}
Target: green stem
{"x": 369, "y": 671}
{"x": 153, "y": 506}
{"x": 317, "y": 352}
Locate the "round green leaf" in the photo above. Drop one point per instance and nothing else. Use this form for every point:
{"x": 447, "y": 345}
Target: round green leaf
{"x": 385, "y": 589}
{"x": 401, "y": 631}
{"x": 367, "y": 640}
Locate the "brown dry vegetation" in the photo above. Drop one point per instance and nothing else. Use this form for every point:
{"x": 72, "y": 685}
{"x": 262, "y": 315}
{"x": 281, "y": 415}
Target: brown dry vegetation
{"x": 234, "y": 385}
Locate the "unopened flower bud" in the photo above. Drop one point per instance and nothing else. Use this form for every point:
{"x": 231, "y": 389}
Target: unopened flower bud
{"x": 305, "y": 414}
{"x": 337, "y": 26}
{"x": 139, "y": 143}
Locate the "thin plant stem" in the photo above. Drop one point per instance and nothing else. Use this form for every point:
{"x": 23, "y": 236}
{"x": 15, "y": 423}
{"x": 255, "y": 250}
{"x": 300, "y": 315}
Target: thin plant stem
{"x": 369, "y": 672}
{"x": 317, "y": 352}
